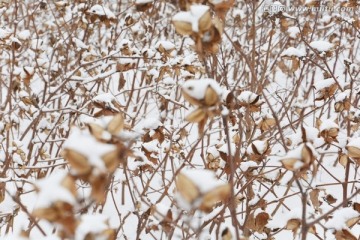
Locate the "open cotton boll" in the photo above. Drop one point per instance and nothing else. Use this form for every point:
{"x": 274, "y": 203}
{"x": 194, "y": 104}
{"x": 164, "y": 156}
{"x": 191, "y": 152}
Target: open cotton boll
{"x": 200, "y": 188}
{"x": 51, "y": 190}
{"x": 247, "y": 97}
{"x": 193, "y": 16}
{"x": 293, "y": 52}
{"x": 167, "y": 45}
{"x": 197, "y": 88}
{"x": 328, "y": 124}
{"x": 84, "y": 143}
{"x": 321, "y": 46}
{"x": 340, "y": 217}
{"x": 205, "y": 180}
{"x": 102, "y": 11}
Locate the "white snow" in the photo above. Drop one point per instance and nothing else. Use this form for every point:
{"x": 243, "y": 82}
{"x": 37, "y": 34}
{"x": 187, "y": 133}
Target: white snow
{"x": 94, "y": 224}
{"x": 213, "y": 151}
{"x": 343, "y": 95}
{"x": 293, "y": 52}
{"x": 328, "y": 124}
{"x": 80, "y": 44}
{"x": 338, "y": 221}
{"x": 321, "y": 46}
{"x": 204, "y": 179}
{"x": 29, "y": 70}
{"x": 197, "y": 88}
{"x": 167, "y": 45}
{"x": 297, "y": 154}
{"x": 261, "y": 146}
{"x": 321, "y": 84}
{"x": 143, "y": 1}
{"x": 247, "y": 97}
{"x": 24, "y": 35}
{"x": 193, "y": 16}
{"x": 5, "y": 33}
{"x": 354, "y": 142}
{"x": 152, "y": 146}
{"x": 84, "y": 143}
{"x": 51, "y": 190}
{"x": 106, "y": 98}
{"x": 293, "y": 32}
{"x": 224, "y": 148}
{"x": 102, "y": 11}
{"x": 280, "y": 220}
{"x": 311, "y": 133}
{"x": 147, "y": 123}
{"x": 244, "y": 166}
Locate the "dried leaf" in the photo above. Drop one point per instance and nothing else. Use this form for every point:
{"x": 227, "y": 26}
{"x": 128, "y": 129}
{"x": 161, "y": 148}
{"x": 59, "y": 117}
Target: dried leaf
{"x": 343, "y": 159}
{"x": 344, "y": 235}
{"x": 314, "y": 197}
{"x": 318, "y": 123}
{"x": 312, "y": 230}
{"x": 166, "y": 223}
{"x": 196, "y": 116}
{"x": 295, "y": 64}
{"x": 313, "y": 3}
{"x": 96, "y": 130}
{"x": 190, "y": 99}
{"x": 57, "y": 212}
{"x": 218, "y": 194}
{"x": 307, "y": 155}
{"x": 99, "y": 187}
{"x": 330, "y": 199}
{"x": 69, "y": 183}
{"x": 2, "y": 191}
{"x": 77, "y": 161}
{"x": 49, "y": 214}
{"x": 289, "y": 163}
{"x": 356, "y": 207}
{"x": 187, "y": 189}
{"x": 205, "y": 22}
{"x": 266, "y": 124}
{"x": 353, "y": 152}
{"x": 351, "y": 222}
{"x": 111, "y": 160}
{"x": 226, "y": 234}
{"x": 211, "y": 97}
{"x": 142, "y": 7}
{"x": 261, "y": 220}
{"x": 293, "y": 225}
{"x": 182, "y": 28}
{"x": 201, "y": 125}
{"x": 116, "y": 124}
{"x": 108, "y": 234}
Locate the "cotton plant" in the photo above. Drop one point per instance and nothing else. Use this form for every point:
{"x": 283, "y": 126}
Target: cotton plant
{"x": 93, "y": 153}
{"x": 206, "y": 95}
{"x": 96, "y": 152}
{"x": 198, "y": 23}
{"x": 58, "y": 202}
